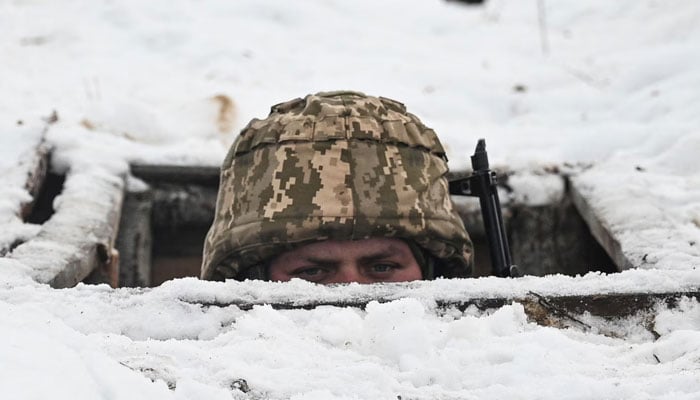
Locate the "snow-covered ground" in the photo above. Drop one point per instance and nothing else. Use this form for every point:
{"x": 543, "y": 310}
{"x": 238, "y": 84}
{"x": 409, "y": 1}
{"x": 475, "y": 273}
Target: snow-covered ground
{"x": 612, "y": 84}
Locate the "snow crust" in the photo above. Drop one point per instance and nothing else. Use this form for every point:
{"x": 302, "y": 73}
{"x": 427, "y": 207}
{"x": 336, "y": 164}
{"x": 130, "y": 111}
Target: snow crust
{"x": 655, "y": 214}
{"x": 108, "y": 350}
{"x": 610, "y": 85}
{"x": 16, "y": 155}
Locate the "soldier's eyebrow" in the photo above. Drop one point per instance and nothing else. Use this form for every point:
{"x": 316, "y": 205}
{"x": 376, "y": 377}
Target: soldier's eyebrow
{"x": 378, "y": 255}
{"x": 320, "y": 260}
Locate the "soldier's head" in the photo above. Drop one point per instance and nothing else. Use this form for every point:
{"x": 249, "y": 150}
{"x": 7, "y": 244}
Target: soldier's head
{"x": 336, "y": 187}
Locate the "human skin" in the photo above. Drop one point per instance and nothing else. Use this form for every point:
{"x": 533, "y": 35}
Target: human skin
{"x": 333, "y": 261}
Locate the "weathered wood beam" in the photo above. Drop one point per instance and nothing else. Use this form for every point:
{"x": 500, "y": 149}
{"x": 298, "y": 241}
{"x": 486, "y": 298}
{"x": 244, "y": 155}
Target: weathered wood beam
{"x": 194, "y": 175}
{"x": 25, "y": 173}
{"x": 182, "y": 196}
{"x": 605, "y": 305}
{"x": 135, "y": 239}
{"x": 548, "y": 310}
{"x": 79, "y": 237}
{"x": 599, "y": 229}
{"x": 180, "y": 206}
{"x": 38, "y": 165}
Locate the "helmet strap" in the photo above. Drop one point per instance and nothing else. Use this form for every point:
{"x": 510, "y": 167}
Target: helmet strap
{"x": 424, "y": 260}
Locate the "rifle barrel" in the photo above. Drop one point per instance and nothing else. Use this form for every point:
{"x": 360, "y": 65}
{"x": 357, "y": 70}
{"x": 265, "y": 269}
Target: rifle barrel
{"x": 483, "y": 184}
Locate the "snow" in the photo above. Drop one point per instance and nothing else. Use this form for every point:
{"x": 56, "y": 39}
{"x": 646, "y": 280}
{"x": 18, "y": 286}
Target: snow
{"x": 655, "y": 214}
{"x": 606, "y": 88}
{"x": 396, "y": 348}
{"x": 87, "y": 197}
{"x": 550, "y": 188}
{"x": 15, "y": 158}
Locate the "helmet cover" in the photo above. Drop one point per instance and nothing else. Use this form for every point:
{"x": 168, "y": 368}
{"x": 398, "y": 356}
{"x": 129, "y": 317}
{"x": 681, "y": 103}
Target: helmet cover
{"x": 334, "y": 165}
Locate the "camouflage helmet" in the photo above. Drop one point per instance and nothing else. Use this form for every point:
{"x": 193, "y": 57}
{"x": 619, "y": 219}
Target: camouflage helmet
{"x": 334, "y": 165}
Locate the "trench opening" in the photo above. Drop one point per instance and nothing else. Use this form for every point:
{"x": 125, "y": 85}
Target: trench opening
{"x": 42, "y": 207}
{"x": 547, "y": 240}
{"x": 45, "y": 188}
{"x": 177, "y": 254}
{"x": 163, "y": 228}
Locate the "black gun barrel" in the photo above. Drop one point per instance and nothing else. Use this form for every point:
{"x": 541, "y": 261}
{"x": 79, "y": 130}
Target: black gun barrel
{"x": 482, "y": 183}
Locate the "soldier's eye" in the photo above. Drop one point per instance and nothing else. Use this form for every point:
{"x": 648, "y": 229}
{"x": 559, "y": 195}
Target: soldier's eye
{"x": 310, "y": 273}
{"x": 383, "y": 268}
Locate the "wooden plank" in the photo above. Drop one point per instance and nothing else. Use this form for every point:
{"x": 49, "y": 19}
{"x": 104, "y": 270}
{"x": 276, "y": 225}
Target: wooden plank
{"x": 182, "y": 206}
{"x": 605, "y": 305}
{"x": 79, "y": 237}
{"x": 22, "y": 172}
{"x": 134, "y": 241}
{"x": 551, "y": 310}
{"x": 599, "y": 229}
{"x": 197, "y": 175}
{"x": 38, "y": 166}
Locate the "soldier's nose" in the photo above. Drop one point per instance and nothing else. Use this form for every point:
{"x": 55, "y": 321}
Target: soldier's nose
{"x": 349, "y": 273}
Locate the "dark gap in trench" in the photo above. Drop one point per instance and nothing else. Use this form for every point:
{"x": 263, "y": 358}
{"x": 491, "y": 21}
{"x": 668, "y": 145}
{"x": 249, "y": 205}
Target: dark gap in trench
{"x": 177, "y": 253}
{"x": 181, "y": 217}
{"x": 544, "y": 240}
{"x": 42, "y": 208}
{"x": 554, "y": 239}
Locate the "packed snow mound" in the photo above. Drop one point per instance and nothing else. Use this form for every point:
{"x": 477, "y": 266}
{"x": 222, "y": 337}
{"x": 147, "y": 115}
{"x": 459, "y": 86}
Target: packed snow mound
{"x": 153, "y": 340}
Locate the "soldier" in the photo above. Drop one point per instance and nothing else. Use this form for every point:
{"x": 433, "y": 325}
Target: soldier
{"x": 336, "y": 187}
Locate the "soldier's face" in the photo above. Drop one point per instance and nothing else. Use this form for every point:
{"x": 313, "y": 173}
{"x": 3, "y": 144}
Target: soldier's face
{"x": 363, "y": 261}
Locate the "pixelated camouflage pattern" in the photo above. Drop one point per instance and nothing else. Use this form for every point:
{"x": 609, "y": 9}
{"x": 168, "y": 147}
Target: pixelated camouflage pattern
{"x": 334, "y": 165}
